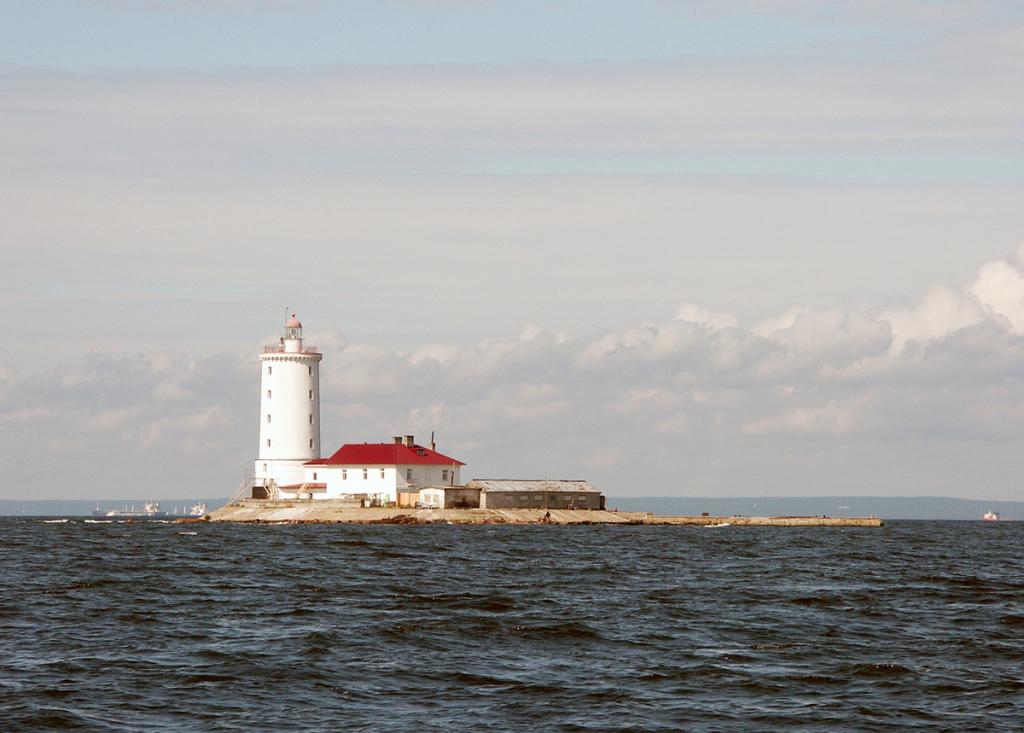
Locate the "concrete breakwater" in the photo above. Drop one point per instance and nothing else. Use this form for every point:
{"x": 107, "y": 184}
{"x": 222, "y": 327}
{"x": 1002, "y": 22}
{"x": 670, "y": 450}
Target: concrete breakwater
{"x": 258, "y": 511}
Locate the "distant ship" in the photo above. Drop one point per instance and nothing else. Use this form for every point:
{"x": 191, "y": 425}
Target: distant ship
{"x": 150, "y": 511}
{"x": 990, "y": 517}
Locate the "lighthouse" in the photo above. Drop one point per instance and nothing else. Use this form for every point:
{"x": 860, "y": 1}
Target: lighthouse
{"x": 289, "y": 408}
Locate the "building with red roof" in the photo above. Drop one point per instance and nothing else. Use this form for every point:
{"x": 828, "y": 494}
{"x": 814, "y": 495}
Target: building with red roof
{"x": 397, "y": 453}
{"x": 378, "y": 472}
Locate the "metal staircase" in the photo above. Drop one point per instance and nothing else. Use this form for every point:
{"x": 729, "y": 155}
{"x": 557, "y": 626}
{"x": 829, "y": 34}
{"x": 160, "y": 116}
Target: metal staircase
{"x": 248, "y": 483}
{"x": 244, "y": 490}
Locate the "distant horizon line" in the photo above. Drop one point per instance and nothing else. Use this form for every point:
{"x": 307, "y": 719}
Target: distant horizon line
{"x": 609, "y": 496}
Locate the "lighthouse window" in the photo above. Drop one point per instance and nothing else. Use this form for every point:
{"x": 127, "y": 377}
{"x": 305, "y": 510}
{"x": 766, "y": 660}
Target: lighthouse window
{"x": 268, "y": 442}
{"x": 311, "y": 371}
{"x": 270, "y": 370}
{"x": 310, "y": 442}
{"x": 310, "y": 394}
{"x": 310, "y": 419}
{"x": 268, "y": 418}
{"x": 268, "y": 394}
{"x": 314, "y": 475}
{"x": 366, "y": 474}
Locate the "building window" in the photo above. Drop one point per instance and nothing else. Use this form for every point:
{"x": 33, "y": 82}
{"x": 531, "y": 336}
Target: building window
{"x": 268, "y": 442}
{"x": 382, "y": 473}
{"x": 444, "y": 475}
{"x": 270, "y": 370}
{"x": 344, "y": 474}
{"x": 366, "y": 474}
{"x": 310, "y": 394}
{"x": 408, "y": 474}
{"x": 268, "y": 394}
{"x": 268, "y": 417}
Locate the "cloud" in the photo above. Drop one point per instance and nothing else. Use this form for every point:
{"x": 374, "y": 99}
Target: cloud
{"x": 939, "y": 313}
{"x": 999, "y": 288}
{"x": 814, "y": 400}
{"x": 832, "y": 418}
{"x": 107, "y": 420}
{"x": 694, "y": 239}
{"x": 363, "y": 122}
{"x": 997, "y": 292}
{"x": 27, "y": 414}
{"x": 834, "y": 336}
{"x": 690, "y": 313}
{"x": 583, "y": 194}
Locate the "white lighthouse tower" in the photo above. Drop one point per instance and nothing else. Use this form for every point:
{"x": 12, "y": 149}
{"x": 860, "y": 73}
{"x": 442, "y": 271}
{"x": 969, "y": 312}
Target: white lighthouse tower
{"x": 289, "y": 409}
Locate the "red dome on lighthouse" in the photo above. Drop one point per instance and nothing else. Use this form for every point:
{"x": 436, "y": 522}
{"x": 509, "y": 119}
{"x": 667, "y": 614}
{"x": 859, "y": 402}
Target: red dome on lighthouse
{"x": 293, "y": 322}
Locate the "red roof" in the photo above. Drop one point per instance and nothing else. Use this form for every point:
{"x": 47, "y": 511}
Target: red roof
{"x": 384, "y": 454}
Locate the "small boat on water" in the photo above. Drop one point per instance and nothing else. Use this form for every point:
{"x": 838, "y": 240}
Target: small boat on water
{"x": 990, "y": 517}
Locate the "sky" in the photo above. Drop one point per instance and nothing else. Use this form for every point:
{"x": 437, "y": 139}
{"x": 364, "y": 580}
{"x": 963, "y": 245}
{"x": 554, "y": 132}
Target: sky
{"x": 747, "y": 247}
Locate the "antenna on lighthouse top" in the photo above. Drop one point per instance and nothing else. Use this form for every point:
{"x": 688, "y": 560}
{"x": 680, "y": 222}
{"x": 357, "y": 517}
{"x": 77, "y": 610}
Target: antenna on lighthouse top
{"x": 286, "y": 314}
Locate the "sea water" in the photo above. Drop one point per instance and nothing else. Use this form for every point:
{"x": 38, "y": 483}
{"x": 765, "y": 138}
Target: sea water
{"x": 147, "y": 626}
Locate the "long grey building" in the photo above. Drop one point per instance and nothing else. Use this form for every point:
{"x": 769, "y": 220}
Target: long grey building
{"x": 539, "y": 494}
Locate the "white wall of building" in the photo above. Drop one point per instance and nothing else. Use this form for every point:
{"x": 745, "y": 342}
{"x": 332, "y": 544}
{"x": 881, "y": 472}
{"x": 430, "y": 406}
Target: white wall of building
{"x": 290, "y": 406}
{"x": 341, "y": 480}
{"x": 289, "y": 412}
{"x": 283, "y": 472}
{"x": 377, "y": 480}
{"x": 432, "y": 497}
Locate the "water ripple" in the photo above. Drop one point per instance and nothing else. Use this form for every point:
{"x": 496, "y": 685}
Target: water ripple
{"x": 123, "y": 627}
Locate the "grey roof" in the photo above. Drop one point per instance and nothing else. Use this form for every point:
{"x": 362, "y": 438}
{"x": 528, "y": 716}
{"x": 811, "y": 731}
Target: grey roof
{"x": 446, "y": 487}
{"x": 505, "y": 484}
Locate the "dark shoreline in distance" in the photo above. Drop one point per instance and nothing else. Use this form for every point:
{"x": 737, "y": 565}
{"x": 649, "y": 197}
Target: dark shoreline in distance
{"x": 887, "y": 507}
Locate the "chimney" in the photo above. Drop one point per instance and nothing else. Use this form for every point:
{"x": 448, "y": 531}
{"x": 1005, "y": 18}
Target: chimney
{"x": 397, "y": 439}
{"x": 433, "y": 445}
{"x": 409, "y": 441}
